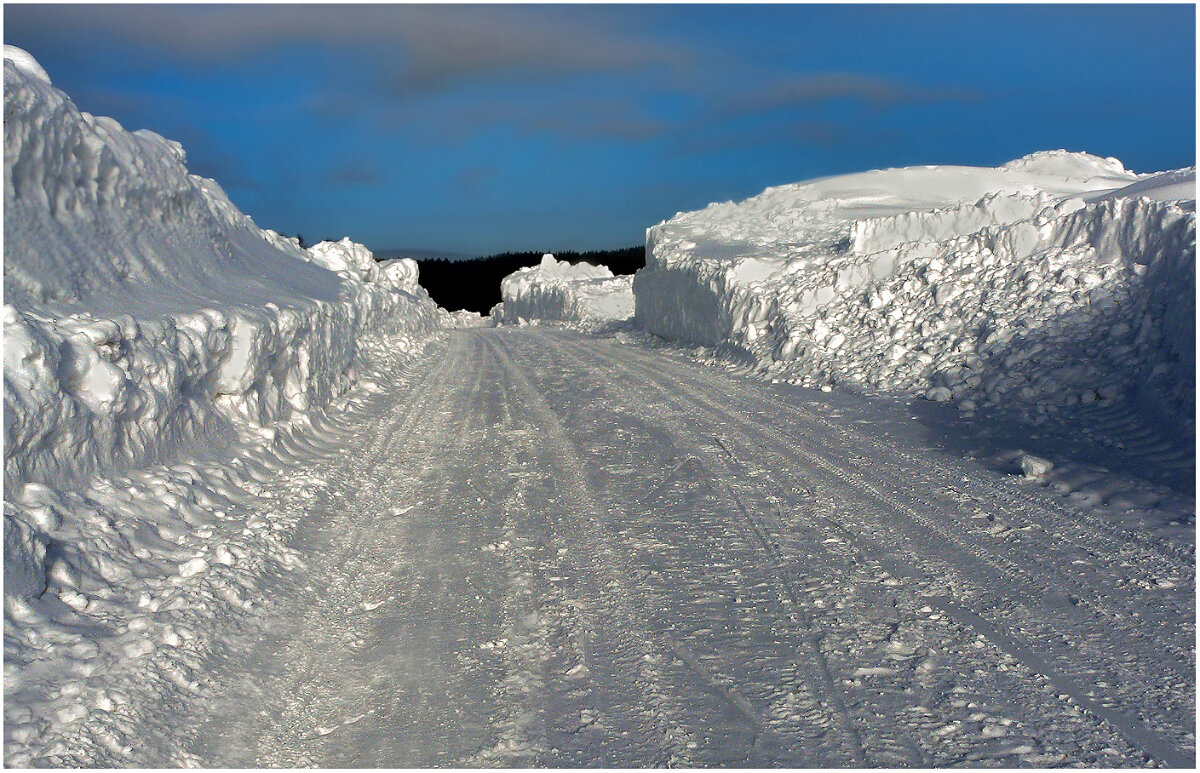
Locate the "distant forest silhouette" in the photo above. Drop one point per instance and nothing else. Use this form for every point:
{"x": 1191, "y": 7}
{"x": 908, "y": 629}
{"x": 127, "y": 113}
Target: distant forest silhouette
{"x": 474, "y": 284}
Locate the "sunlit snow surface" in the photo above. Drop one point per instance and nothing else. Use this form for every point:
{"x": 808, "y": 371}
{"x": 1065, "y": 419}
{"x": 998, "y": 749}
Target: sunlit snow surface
{"x": 561, "y": 292}
{"x": 1057, "y": 279}
{"x": 147, "y": 321}
{"x": 550, "y": 548}
{"x": 258, "y": 513}
{"x": 140, "y": 300}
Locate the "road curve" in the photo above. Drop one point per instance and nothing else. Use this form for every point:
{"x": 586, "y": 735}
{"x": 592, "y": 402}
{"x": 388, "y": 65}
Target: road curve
{"x": 538, "y": 547}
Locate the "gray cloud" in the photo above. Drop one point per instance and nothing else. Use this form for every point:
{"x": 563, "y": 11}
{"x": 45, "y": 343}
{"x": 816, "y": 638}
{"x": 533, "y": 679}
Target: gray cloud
{"x": 798, "y": 109}
{"x": 614, "y": 127}
{"x": 470, "y": 180}
{"x": 571, "y": 117}
{"x": 424, "y": 47}
{"x": 353, "y": 174}
{"x": 590, "y": 118}
{"x": 824, "y": 87}
{"x": 811, "y": 132}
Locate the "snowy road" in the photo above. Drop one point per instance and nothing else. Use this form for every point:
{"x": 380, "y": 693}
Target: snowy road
{"x": 538, "y": 547}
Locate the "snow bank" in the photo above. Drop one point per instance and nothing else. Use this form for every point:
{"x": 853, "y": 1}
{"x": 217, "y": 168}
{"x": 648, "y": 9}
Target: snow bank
{"x": 402, "y": 273}
{"x": 354, "y": 261}
{"x": 560, "y": 291}
{"x": 463, "y": 318}
{"x": 144, "y": 311}
{"x": 147, "y": 324}
{"x": 1056, "y": 279}
{"x": 347, "y": 259}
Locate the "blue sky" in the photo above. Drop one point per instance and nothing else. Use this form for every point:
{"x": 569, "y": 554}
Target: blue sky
{"x": 476, "y": 129}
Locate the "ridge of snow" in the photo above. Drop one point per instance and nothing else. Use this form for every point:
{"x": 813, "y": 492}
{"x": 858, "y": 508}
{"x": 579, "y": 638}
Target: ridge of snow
{"x": 145, "y": 310}
{"x": 150, "y": 327}
{"x": 1177, "y": 186}
{"x": 560, "y": 291}
{"x": 1068, "y": 164}
{"x": 1057, "y": 279}
{"x": 463, "y": 319}
{"x": 25, "y": 62}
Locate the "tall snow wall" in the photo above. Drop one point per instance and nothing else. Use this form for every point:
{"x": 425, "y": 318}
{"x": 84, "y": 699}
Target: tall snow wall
{"x": 144, "y": 313}
{"x": 559, "y": 291}
{"x": 1057, "y": 279}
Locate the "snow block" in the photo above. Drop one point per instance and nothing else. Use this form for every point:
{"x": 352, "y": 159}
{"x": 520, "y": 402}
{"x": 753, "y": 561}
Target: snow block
{"x": 562, "y": 292}
{"x": 24, "y": 559}
{"x": 145, "y": 313}
{"x": 1052, "y": 280}
{"x": 463, "y": 319}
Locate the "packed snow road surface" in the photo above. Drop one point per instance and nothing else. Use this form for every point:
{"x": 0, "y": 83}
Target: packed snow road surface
{"x": 536, "y": 547}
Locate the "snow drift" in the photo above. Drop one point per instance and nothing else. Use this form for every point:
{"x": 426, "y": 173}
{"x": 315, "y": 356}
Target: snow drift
{"x": 354, "y": 261}
{"x": 560, "y": 291}
{"x": 1060, "y": 278}
{"x": 463, "y": 319}
{"x": 150, "y": 327}
{"x": 143, "y": 310}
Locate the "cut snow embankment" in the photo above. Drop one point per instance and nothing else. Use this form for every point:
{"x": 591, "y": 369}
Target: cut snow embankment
{"x": 463, "y": 319}
{"x": 149, "y": 328}
{"x": 1057, "y": 279}
{"x": 143, "y": 309}
{"x": 563, "y": 292}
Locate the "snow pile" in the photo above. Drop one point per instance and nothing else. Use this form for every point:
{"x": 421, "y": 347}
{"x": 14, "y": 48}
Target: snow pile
{"x": 463, "y": 318}
{"x": 560, "y": 291}
{"x": 130, "y": 584}
{"x": 144, "y": 310}
{"x": 147, "y": 320}
{"x": 402, "y": 273}
{"x": 354, "y": 261}
{"x": 347, "y": 259}
{"x": 1060, "y": 278}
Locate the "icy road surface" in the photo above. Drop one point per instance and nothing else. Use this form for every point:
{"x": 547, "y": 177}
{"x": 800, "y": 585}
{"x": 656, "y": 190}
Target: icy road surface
{"x": 536, "y": 547}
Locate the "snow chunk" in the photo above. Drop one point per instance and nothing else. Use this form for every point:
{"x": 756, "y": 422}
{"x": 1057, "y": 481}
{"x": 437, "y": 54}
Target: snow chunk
{"x": 146, "y": 311}
{"x": 560, "y": 291}
{"x": 347, "y": 258}
{"x": 463, "y": 318}
{"x": 25, "y": 63}
{"x": 402, "y": 273}
{"x": 1057, "y": 279}
{"x": 24, "y": 559}
{"x": 1035, "y": 466}
{"x": 1064, "y": 163}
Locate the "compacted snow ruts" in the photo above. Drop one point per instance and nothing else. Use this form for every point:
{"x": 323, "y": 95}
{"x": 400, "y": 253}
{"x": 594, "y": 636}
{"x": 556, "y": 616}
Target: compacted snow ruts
{"x": 259, "y": 512}
{"x": 586, "y": 553}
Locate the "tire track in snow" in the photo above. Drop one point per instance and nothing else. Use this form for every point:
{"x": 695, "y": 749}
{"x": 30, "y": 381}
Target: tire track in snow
{"x": 246, "y": 717}
{"x": 330, "y": 681}
{"x": 820, "y": 678}
{"x": 818, "y": 675}
{"x": 670, "y": 380}
{"x": 729, "y": 688}
{"x": 1035, "y": 576}
{"x": 662, "y": 633}
{"x": 1136, "y": 620}
{"x": 1065, "y": 524}
{"x": 604, "y": 574}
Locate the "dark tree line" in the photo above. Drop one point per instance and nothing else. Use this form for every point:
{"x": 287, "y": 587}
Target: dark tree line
{"x": 474, "y": 284}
